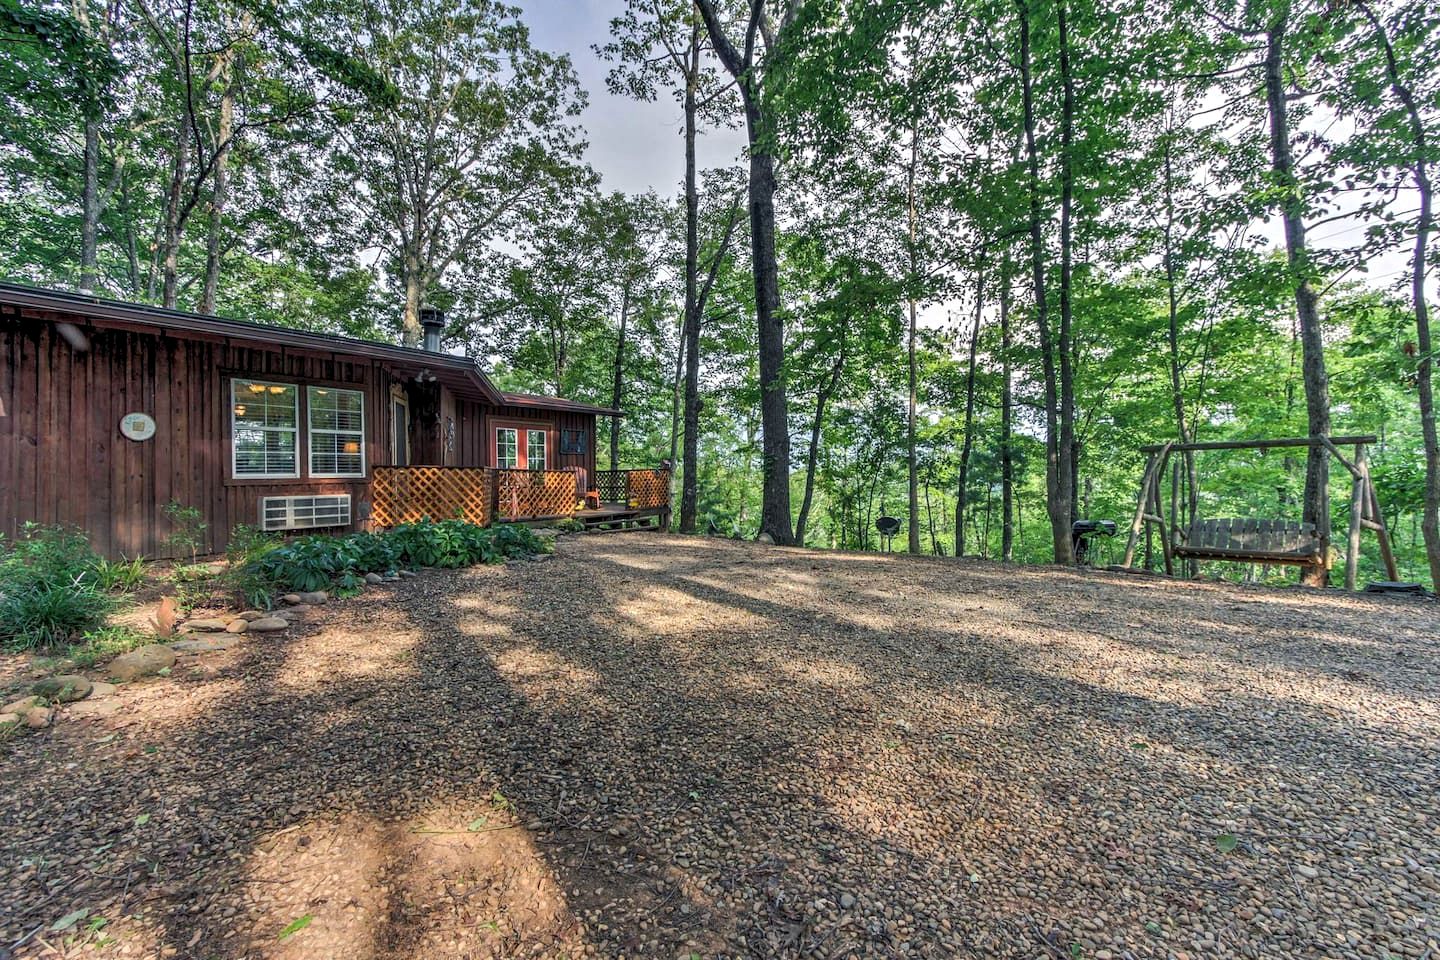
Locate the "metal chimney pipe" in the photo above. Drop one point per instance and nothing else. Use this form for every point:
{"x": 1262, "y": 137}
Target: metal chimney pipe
{"x": 432, "y": 319}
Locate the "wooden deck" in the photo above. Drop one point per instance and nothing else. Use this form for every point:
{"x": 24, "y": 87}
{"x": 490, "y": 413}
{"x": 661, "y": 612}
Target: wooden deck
{"x": 629, "y": 499}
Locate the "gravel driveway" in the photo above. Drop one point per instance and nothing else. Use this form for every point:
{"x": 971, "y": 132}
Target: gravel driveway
{"x": 659, "y": 746}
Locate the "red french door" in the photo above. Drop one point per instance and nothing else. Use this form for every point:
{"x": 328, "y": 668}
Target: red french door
{"x": 521, "y": 448}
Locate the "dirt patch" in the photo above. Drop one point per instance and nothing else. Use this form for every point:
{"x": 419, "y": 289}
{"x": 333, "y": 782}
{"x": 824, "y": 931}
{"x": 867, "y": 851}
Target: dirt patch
{"x": 659, "y": 746}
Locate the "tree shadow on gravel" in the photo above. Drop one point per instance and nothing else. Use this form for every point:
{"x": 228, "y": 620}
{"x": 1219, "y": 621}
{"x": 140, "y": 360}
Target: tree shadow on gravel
{"x": 637, "y": 748}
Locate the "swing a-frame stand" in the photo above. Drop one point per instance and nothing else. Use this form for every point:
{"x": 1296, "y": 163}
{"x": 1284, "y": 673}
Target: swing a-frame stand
{"x": 1278, "y": 541}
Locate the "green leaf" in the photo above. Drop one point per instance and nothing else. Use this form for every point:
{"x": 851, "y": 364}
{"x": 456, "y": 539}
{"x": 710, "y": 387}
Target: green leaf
{"x": 143, "y": 819}
{"x": 477, "y": 824}
{"x": 1226, "y": 842}
{"x": 69, "y": 920}
{"x": 295, "y": 926}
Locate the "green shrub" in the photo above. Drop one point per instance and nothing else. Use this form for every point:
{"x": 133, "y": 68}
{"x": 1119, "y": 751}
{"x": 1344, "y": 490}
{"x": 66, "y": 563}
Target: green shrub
{"x": 47, "y": 614}
{"x": 340, "y": 563}
{"x": 188, "y": 528}
{"x": 49, "y": 589}
{"x": 119, "y": 576}
{"x": 105, "y": 644}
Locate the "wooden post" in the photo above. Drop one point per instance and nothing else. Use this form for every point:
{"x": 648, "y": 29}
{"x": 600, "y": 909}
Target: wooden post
{"x": 1381, "y": 532}
{"x": 1139, "y": 519}
{"x": 1357, "y": 514}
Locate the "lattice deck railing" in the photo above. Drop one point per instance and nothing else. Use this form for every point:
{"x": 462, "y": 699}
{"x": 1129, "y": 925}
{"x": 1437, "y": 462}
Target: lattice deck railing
{"x": 531, "y": 494}
{"x": 407, "y": 494}
{"x": 483, "y": 495}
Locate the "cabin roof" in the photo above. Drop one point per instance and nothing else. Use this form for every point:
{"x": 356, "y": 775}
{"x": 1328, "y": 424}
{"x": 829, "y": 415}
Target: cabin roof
{"x": 556, "y": 403}
{"x": 458, "y": 372}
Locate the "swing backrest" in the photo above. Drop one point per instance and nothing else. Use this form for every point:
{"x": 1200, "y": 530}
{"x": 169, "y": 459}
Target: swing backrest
{"x": 1251, "y": 539}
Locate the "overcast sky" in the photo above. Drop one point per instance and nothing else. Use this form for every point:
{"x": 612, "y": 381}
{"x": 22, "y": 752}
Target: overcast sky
{"x": 635, "y": 146}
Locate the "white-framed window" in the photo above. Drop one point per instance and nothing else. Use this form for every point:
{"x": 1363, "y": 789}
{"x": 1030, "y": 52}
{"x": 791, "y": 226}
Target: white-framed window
{"x": 337, "y": 432}
{"x": 535, "y": 452}
{"x": 264, "y": 425}
{"x": 507, "y": 448}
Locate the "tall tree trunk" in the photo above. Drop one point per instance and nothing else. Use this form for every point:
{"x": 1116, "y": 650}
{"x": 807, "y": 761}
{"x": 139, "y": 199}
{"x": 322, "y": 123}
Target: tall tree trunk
{"x": 775, "y": 520}
{"x": 1007, "y": 456}
{"x": 812, "y": 455}
{"x": 775, "y": 494}
{"x": 1056, "y": 493}
{"x": 913, "y": 530}
{"x": 1312, "y": 347}
{"x": 962, "y": 490}
{"x": 410, "y": 332}
{"x": 689, "y": 492}
{"x": 1430, "y": 524}
{"x": 90, "y": 203}
{"x": 618, "y": 391}
{"x": 174, "y": 218}
{"x": 132, "y": 248}
{"x": 1183, "y": 429}
{"x": 1069, "y": 451}
{"x": 220, "y": 193}
{"x": 675, "y": 385}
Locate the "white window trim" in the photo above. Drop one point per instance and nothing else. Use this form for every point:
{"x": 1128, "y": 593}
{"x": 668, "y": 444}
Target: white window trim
{"x": 235, "y": 473}
{"x": 311, "y": 430}
{"x": 544, "y": 445}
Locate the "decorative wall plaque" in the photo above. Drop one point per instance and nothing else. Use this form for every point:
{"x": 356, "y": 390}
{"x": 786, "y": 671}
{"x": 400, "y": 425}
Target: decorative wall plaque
{"x": 137, "y": 426}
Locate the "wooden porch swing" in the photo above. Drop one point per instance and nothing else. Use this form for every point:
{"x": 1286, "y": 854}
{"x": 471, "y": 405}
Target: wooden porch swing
{"x": 1265, "y": 541}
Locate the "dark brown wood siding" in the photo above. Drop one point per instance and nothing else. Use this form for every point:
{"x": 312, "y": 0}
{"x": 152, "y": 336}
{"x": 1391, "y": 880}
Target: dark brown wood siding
{"x": 64, "y": 461}
{"x": 475, "y": 433}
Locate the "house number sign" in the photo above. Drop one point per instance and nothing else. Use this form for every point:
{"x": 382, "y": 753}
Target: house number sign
{"x": 138, "y": 426}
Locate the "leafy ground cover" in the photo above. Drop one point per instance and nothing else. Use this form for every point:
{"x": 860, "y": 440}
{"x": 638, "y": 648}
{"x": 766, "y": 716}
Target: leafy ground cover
{"x": 663, "y": 746}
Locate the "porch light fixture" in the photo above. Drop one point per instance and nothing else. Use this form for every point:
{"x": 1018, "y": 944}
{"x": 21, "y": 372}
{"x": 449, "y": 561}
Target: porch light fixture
{"x": 425, "y": 376}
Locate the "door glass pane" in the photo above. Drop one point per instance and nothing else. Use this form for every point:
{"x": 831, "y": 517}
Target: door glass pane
{"x": 507, "y": 448}
{"x": 535, "y": 449}
{"x": 400, "y": 426}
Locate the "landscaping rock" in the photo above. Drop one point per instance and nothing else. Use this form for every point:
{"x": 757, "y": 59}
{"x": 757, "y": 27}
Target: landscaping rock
{"x": 144, "y": 662}
{"x": 248, "y": 615}
{"x": 391, "y": 578}
{"x": 19, "y": 707}
{"x": 290, "y": 613}
{"x": 374, "y": 578}
{"x": 846, "y": 901}
{"x": 290, "y": 598}
{"x": 64, "y": 688}
{"x": 314, "y": 597}
{"x": 238, "y": 626}
{"x": 101, "y": 690}
{"x": 215, "y": 625}
{"x": 93, "y": 709}
{"x": 203, "y": 644}
{"x": 407, "y": 574}
{"x": 269, "y": 624}
{"x": 9, "y": 721}
{"x": 37, "y": 718}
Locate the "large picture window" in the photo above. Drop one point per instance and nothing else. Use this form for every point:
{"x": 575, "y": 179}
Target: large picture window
{"x": 264, "y": 422}
{"x": 337, "y": 432}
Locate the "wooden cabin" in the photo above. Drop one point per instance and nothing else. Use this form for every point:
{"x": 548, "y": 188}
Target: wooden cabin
{"x": 109, "y": 411}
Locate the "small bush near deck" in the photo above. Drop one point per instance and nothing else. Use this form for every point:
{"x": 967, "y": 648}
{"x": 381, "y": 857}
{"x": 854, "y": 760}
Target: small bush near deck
{"x": 50, "y": 589}
{"x": 340, "y": 563}
{"x": 105, "y": 644}
{"x": 120, "y": 576}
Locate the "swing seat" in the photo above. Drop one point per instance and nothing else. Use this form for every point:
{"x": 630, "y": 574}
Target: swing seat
{"x": 1254, "y": 541}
